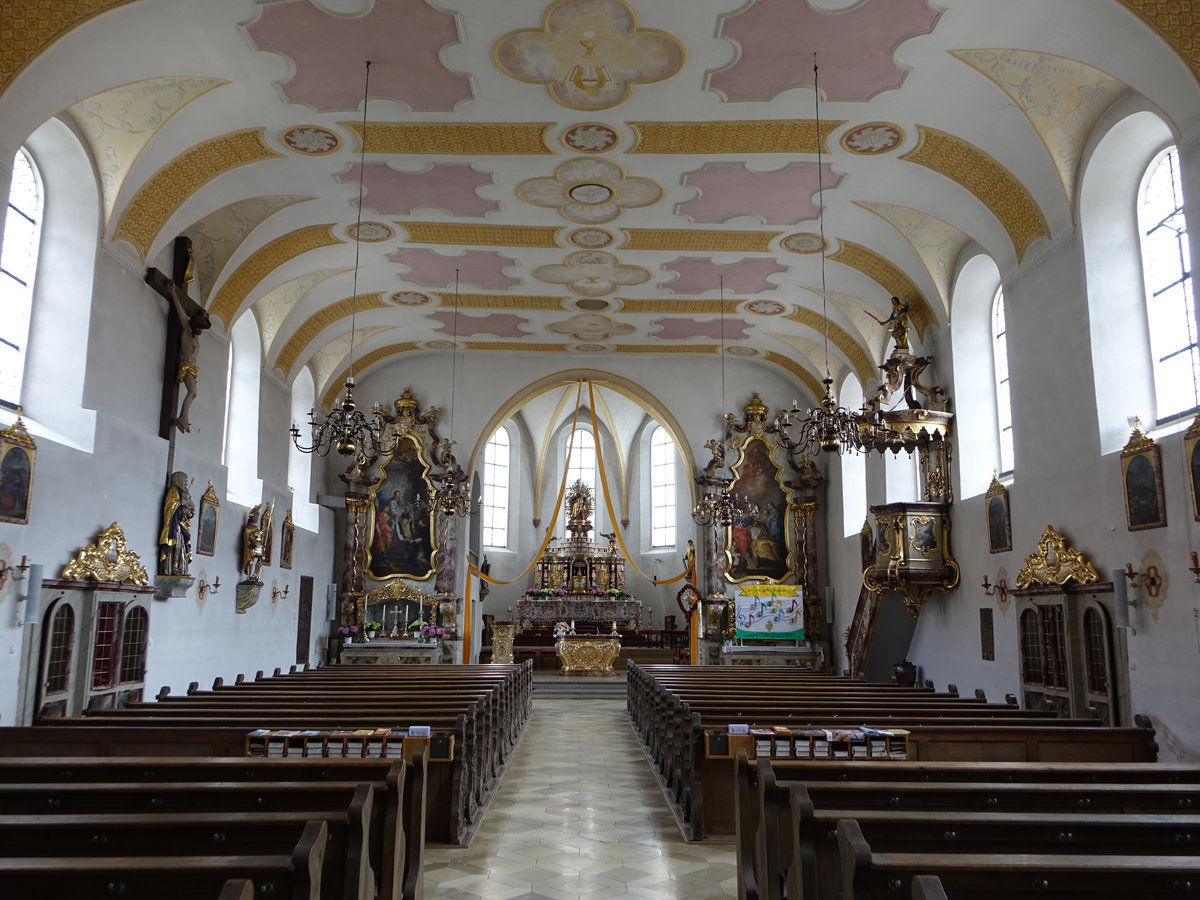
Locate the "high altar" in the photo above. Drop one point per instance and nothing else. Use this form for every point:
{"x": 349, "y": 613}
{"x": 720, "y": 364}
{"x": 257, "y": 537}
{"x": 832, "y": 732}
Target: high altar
{"x": 579, "y": 580}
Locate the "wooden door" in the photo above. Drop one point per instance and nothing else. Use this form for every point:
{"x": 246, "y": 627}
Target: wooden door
{"x": 58, "y": 663}
{"x": 304, "y": 622}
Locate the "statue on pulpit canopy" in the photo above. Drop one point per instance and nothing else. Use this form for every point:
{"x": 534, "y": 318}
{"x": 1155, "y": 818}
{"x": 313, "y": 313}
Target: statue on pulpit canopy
{"x": 897, "y": 322}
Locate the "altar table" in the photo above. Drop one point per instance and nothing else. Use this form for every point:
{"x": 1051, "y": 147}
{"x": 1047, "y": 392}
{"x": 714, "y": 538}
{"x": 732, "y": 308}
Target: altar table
{"x": 391, "y": 653}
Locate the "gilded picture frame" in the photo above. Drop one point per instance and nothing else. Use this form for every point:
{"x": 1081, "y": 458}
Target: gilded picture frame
{"x": 401, "y": 541}
{"x": 18, "y": 451}
{"x": 760, "y": 549}
{"x": 207, "y": 521}
{"x": 997, "y": 519}
{"x": 1142, "y": 483}
{"x": 287, "y": 541}
{"x": 1191, "y": 447}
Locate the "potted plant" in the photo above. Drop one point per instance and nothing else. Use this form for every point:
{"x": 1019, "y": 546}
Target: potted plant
{"x": 432, "y": 634}
{"x": 415, "y": 626}
{"x": 372, "y": 628}
{"x": 350, "y": 633}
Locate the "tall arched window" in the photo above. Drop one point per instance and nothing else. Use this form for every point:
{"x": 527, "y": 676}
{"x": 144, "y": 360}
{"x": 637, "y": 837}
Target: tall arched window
{"x": 854, "y": 467}
{"x": 241, "y": 412}
{"x": 305, "y": 513}
{"x": 18, "y": 264}
{"x": 495, "y": 489}
{"x": 1171, "y": 309}
{"x": 581, "y": 458}
{"x": 662, "y": 488}
{"x": 1004, "y": 420}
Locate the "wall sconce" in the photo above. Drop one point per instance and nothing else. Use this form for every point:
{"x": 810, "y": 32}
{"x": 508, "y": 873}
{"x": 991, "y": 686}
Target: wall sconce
{"x": 1139, "y": 579}
{"x": 203, "y": 588}
{"x": 20, "y": 569}
{"x": 1194, "y": 568}
{"x": 277, "y": 594}
{"x": 988, "y": 588}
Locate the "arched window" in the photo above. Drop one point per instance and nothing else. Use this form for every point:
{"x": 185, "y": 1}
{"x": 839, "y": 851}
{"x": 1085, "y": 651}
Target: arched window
{"x": 662, "y": 488}
{"x": 495, "y": 489}
{"x": 133, "y": 646}
{"x": 1095, "y": 640}
{"x": 1033, "y": 667}
{"x": 18, "y": 264}
{"x": 62, "y": 644}
{"x": 1004, "y": 420}
{"x": 1170, "y": 308}
{"x": 581, "y": 458}
{"x": 854, "y": 468}
{"x": 305, "y": 513}
{"x": 241, "y": 412}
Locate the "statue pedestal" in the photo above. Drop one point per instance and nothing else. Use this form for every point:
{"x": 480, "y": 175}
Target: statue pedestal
{"x": 247, "y": 594}
{"x": 588, "y": 655}
{"x": 168, "y": 586}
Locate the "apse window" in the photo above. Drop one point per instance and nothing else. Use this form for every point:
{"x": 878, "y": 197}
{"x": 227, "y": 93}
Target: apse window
{"x": 18, "y": 263}
{"x": 1004, "y": 419}
{"x": 1171, "y": 311}
{"x": 662, "y": 489}
{"x": 495, "y": 490}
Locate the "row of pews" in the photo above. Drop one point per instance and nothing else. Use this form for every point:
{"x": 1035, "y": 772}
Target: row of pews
{"x": 192, "y": 796}
{"x": 683, "y": 716}
{"x": 975, "y": 830}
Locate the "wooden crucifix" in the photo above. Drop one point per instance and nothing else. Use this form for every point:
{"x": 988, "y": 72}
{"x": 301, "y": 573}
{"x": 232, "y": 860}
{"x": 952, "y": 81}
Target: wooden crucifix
{"x": 186, "y": 319}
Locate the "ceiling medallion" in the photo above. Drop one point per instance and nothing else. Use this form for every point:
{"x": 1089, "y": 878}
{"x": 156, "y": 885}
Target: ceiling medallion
{"x": 741, "y": 351}
{"x": 875, "y": 137}
{"x": 311, "y": 139}
{"x": 410, "y": 298}
{"x": 590, "y": 348}
{"x": 590, "y": 193}
{"x": 590, "y": 137}
{"x": 592, "y": 305}
{"x": 590, "y": 238}
{"x": 370, "y": 232}
{"x": 589, "y": 327}
{"x": 765, "y": 307}
{"x": 804, "y": 242}
{"x": 440, "y": 345}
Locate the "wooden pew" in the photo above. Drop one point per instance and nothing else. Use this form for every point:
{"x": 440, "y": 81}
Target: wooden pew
{"x": 295, "y": 875}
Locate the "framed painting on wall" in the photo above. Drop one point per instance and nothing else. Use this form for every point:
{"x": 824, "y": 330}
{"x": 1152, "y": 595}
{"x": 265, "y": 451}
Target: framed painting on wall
{"x": 1141, "y": 472}
{"x": 401, "y": 540}
{"x": 759, "y": 548}
{"x": 999, "y": 525}
{"x": 210, "y": 513}
{"x": 287, "y": 539}
{"x": 17, "y": 452}
{"x": 1191, "y": 446}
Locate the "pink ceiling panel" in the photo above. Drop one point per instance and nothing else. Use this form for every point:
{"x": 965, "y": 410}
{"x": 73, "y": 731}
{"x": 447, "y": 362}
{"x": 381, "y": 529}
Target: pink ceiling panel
{"x": 682, "y": 329}
{"x": 450, "y": 187}
{"x": 746, "y": 277}
{"x": 776, "y": 198}
{"x": 854, "y": 48}
{"x": 478, "y": 267}
{"x": 402, "y": 38}
{"x": 501, "y": 325}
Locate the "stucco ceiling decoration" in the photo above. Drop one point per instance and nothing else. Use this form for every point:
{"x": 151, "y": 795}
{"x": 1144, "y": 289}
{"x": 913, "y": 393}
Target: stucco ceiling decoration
{"x": 118, "y": 123}
{"x": 592, "y": 273}
{"x": 890, "y": 277}
{"x": 326, "y": 360}
{"x": 370, "y": 232}
{"x": 793, "y": 368}
{"x": 765, "y": 307}
{"x": 712, "y": 307}
{"x": 590, "y": 191}
{"x": 29, "y": 28}
{"x": 804, "y": 242}
{"x": 363, "y": 363}
{"x": 813, "y": 352}
{"x": 687, "y": 240}
{"x": 262, "y": 263}
{"x": 273, "y": 308}
{"x": 712, "y": 329}
{"x": 1062, "y": 98}
{"x": 299, "y": 339}
{"x": 524, "y": 302}
{"x": 409, "y": 298}
{"x": 590, "y": 137}
{"x": 217, "y": 236}
{"x": 454, "y": 138}
{"x": 451, "y": 187}
{"x": 501, "y": 325}
{"x": 868, "y": 332}
{"x": 591, "y": 327}
{"x": 591, "y": 238}
{"x": 995, "y": 187}
{"x": 589, "y": 53}
{"x": 873, "y": 138}
{"x": 483, "y": 268}
{"x": 1176, "y": 21}
{"x": 310, "y": 140}
{"x": 166, "y": 190}
{"x": 729, "y": 190}
{"x": 937, "y": 243}
{"x": 464, "y": 233}
{"x": 840, "y": 338}
{"x": 747, "y": 276}
{"x": 775, "y": 39}
{"x": 405, "y": 40}
{"x": 790, "y": 136}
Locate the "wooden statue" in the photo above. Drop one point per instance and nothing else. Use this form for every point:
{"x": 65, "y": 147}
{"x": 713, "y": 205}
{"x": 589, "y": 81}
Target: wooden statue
{"x": 253, "y": 547}
{"x": 175, "y": 539}
{"x": 188, "y": 319}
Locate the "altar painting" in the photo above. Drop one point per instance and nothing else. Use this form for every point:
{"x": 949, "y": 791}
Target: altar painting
{"x": 769, "y": 612}
{"x": 759, "y": 549}
{"x": 401, "y": 539}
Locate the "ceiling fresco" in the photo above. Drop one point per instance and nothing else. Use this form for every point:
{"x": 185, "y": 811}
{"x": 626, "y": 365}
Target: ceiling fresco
{"x": 599, "y": 177}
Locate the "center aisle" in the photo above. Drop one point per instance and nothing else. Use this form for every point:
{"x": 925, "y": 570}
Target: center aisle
{"x": 579, "y": 814}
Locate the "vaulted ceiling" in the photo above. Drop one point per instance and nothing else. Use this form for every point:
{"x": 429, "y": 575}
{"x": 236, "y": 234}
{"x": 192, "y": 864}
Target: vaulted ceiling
{"x": 587, "y": 177}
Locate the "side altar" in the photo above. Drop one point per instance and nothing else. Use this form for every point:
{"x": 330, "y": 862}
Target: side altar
{"x": 579, "y": 580}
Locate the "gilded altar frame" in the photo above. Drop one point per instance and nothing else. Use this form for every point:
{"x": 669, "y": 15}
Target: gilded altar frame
{"x": 1142, "y": 482}
{"x": 762, "y": 549}
{"x": 18, "y": 450}
{"x": 401, "y": 539}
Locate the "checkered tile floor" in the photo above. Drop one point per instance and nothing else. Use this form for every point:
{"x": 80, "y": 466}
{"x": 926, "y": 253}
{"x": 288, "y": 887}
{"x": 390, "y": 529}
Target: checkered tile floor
{"x": 578, "y": 814}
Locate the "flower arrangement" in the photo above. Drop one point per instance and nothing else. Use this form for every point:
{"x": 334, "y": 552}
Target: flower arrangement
{"x": 615, "y": 594}
{"x": 560, "y": 592}
{"x": 353, "y": 632}
{"x": 432, "y": 633}
{"x": 373, "y": 626}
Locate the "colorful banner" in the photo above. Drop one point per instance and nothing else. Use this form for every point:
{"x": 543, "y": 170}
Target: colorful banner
{"x": 769, "y": 612}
